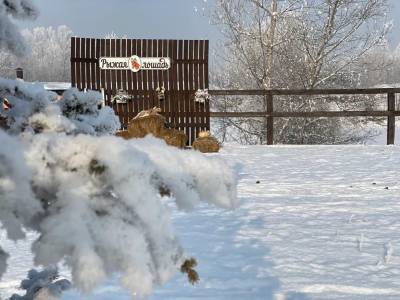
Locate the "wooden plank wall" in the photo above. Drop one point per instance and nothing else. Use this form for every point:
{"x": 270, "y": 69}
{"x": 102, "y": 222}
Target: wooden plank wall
{"x": 188, "y": 73}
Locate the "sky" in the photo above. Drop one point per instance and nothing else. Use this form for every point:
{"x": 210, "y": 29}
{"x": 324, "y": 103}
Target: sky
{"x": 134, "y": 18}
{"x": 181, "y": 19}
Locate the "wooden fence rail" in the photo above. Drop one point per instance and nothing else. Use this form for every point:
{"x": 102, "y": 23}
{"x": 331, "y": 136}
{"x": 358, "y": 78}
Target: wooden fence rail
{"x": 270, "y": 114}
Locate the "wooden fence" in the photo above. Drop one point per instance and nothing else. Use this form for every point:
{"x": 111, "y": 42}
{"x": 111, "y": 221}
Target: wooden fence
{"x": 188, "y": 73}
{"x": 270, "y": 114}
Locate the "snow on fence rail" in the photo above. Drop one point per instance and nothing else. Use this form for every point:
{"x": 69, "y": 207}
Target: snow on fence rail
{"x": 390, "y": 113}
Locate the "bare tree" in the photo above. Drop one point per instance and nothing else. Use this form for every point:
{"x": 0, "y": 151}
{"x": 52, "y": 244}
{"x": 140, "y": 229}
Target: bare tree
{"x": 296, "y": 44}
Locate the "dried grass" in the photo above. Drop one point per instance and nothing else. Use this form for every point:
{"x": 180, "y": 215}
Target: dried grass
{"x": 123, "y": 133}
{"x": 188, "y": 268}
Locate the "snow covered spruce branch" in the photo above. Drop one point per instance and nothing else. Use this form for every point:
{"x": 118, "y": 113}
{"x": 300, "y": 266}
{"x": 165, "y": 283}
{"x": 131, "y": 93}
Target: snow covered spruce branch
{"x": 35, "y": 110}
{"x": 44, "y": 285}
{"x": 95, "y": 198}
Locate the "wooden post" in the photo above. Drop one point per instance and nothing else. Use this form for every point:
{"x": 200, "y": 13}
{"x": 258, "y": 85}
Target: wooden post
{"x": 270, "y": 120}
{"x": 391, "y": 120}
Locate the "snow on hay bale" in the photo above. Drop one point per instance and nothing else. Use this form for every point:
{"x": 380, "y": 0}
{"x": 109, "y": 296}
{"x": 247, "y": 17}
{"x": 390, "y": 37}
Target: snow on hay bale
{"x": 151, "y": 122}
{"x": 206, "y": 143}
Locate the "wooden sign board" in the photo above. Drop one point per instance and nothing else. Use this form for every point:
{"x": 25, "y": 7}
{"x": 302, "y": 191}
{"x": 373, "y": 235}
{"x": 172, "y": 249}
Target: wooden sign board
{"x": 134, "y": 63}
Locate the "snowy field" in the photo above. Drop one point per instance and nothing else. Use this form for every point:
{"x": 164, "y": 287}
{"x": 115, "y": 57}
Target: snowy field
{"x": 381, "y": 137}
{"x": 316, "y": 222}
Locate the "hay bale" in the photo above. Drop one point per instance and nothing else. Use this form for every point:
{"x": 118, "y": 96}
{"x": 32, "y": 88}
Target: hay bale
{"x": 123, "y": 133}
{"x": 142, "y": 126}
{"x": 206, "y": 143}
{"x": 174, "y": 137}
{"x": 150, "y": 122}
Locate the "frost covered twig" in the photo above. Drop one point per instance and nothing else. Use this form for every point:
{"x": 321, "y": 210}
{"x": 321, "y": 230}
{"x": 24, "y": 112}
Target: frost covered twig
{"x": 201, "y": 96}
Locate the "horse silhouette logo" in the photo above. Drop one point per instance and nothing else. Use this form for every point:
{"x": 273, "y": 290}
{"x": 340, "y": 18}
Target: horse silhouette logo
{"x": 135, "y": 63}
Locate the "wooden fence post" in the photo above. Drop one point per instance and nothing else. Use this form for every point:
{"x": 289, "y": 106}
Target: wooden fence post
{"x": 270, "y": 120}
{"x": 391, "y": 120}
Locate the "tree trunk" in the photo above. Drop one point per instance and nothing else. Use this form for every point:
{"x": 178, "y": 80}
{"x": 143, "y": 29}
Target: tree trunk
{"x": 270, "y": 58}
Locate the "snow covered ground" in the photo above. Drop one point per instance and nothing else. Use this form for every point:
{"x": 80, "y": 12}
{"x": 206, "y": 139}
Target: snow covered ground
{"x": 381, "y": 137}
{"x": 323, "y": 222}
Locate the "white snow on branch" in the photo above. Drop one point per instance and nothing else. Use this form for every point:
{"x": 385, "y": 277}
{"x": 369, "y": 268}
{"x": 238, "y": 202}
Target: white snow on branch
{"x": 108, "y": 215}
{"x": 18, "y": 204}
{"x": 201, "y": 96}
{"x": 44, "y": 285}
{"x": 10, "y": 37}
{"x": 34, "y": 109}
{"x": 83, "y": 110}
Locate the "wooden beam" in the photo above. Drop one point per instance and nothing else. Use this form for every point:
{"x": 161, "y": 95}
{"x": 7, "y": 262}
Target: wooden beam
{"x": 299, "y": 92}
{"x": 270, "y": 120}
{"x": 313, "y": 114}
{"x": 391, "y": 120}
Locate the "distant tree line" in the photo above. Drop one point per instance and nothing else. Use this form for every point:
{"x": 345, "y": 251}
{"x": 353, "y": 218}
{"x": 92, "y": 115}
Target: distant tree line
{"x": 47, "y": 58}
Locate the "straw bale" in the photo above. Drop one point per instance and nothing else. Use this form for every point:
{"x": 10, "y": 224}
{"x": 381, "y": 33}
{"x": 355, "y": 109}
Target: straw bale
{"x": 123, "y": 133}
{"x": 150, "y": 122}
{"x": 174, "y": 137}
{"x": 142, "y": 126}
{"x": 206, "y": 143}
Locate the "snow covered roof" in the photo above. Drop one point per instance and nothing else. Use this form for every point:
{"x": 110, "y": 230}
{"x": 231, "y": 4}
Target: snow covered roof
{"x": 387, "y": 85}
{"x": 56, "y": 86}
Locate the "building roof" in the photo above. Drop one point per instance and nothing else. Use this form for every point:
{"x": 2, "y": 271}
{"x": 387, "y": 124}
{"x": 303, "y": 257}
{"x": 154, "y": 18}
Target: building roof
{"x": 56, "y": 86}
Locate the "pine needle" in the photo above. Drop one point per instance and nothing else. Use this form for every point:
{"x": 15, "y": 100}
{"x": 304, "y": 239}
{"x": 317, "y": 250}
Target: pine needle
{"x": 188, "y": 268}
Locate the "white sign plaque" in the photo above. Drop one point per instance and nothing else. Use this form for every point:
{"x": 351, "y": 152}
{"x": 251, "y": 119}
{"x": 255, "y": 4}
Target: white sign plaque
{"x": 134, "y": 63}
